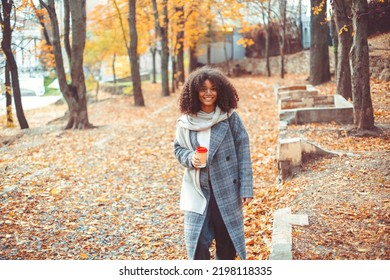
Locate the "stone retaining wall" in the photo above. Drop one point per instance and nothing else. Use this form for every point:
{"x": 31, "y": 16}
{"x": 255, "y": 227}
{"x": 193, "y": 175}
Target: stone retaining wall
{"x": 294, "y": 63}
{"x": 298, "y": 63}
{"x": 380, "y": 67}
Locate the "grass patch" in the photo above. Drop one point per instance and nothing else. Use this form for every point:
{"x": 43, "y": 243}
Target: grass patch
{"x": 121, "y": 84}
{"x": 128, "y": 90}
{"x": 125, "y": 88}
{"x": 50, "y": 91}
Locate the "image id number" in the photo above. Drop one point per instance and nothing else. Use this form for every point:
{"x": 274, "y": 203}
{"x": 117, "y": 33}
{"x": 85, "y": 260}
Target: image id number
{"x": 242, "y": 270}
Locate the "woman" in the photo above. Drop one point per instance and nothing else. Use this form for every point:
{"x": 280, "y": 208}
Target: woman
{"x": 212, "y": 197}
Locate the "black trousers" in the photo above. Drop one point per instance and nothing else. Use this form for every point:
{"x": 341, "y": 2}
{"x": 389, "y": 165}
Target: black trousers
{"x": 214, "y": 228}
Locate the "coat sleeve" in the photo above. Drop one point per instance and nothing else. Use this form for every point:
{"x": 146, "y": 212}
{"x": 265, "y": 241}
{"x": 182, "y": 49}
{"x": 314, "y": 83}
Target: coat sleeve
{"x": 182, "y": 154}
{"x": 241, "y": 142}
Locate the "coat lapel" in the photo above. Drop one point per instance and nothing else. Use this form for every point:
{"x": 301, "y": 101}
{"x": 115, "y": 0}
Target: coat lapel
{"x": 218, "y": 133}
{"x": 194, "y": 139}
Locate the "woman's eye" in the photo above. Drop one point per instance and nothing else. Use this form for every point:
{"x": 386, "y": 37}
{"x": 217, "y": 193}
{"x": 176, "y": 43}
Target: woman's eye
{"x": 206, "y": 89}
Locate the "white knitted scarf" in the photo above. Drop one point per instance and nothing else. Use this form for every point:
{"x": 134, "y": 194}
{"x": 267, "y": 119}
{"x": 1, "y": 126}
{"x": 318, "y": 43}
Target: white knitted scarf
{"x": 191, "y": 197}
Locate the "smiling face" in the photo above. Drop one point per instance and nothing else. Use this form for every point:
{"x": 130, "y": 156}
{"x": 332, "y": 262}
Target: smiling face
{"x": 208, "y": 97}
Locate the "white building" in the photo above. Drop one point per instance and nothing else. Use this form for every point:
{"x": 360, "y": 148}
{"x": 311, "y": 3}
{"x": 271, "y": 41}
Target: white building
{"x": 234, "y": 51}
{"x": 26, "y": 38}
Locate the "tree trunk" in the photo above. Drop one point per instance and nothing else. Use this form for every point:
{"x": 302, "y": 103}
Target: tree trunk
{"x": 319, "y": 51}
{"x": 174, "y": 83}
{"x": 342, "y": 12}
{"x": 180, "y": 45}
{"x": 300, "y": 31}
{"x": 13, "y": 68}
{"x": 359, "y": 59}
{"x": 154, "y": 50}
{"x": 226, "y": 58}
{"x": 180, "y": 63}
{"x": 193, "y": 59}
{"x": 267, "y": 36}
{"x": 232, "y": 45}
{"x": 224, "y": 47}
{"x": 163, "y": 32}
{"x": 113, "y": 69}
{"x": 209, "y": 44}
{"x": 16, "y": 92}
{"x": 335, "y": 41}
{"x": 78, "y": 113}
{"x": 8, "y": 96}
{"x": 208, "y": 53}
{"x": 133, "y": 54}
{"x": 164, "y": 69}
{"x": 67, "y": 30}
{"x": 114, "y": 73}
{"x": 97, "y": 89}
{"x": 174, "y": 69}
{"x": 283, "y": 37}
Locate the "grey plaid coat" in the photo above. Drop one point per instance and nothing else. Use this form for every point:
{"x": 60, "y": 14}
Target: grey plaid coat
{"x": 229, "y": 170}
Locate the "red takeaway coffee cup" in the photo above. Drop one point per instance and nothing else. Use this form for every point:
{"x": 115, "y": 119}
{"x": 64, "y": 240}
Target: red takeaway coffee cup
{"x": 201, "y": 152}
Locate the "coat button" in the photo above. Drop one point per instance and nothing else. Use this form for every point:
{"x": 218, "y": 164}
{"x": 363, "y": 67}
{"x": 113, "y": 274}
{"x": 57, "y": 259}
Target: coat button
{"x": 227, "y": 158}
{"x": 235, "y": 181}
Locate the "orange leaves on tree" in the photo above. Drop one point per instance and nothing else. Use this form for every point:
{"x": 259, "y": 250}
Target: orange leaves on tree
{"x": 318, "y": 9}
{"x": 343, "y": 29}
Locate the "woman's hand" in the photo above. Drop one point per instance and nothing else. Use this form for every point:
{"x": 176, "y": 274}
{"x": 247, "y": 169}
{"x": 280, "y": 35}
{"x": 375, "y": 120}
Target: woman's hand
{"x": 246, "y": 200}
{"x": 195, "y": 161}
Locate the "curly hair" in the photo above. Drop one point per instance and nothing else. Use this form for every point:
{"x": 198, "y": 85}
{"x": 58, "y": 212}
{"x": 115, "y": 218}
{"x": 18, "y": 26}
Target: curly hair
{"x": 227, "y": 97}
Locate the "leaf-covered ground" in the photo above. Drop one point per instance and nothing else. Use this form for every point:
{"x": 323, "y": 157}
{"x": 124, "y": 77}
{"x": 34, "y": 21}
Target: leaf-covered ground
{"x": 113, "y": 192}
